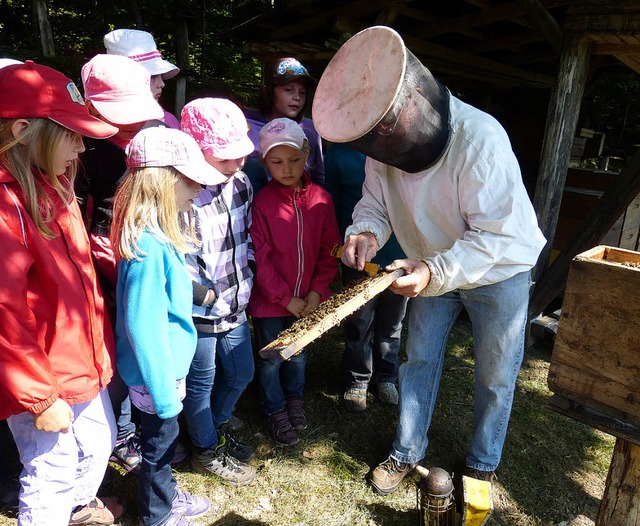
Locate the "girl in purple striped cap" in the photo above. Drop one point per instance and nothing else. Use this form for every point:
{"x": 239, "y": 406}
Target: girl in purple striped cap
{"x": 155, "y": 336}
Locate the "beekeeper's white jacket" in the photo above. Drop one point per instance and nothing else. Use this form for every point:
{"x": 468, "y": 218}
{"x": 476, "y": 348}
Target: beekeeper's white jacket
{"x": 468, "y": 217}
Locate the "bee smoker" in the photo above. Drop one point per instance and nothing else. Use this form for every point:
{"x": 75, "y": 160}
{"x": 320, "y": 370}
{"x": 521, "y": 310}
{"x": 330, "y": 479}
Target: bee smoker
{"x": 436, "y": 503}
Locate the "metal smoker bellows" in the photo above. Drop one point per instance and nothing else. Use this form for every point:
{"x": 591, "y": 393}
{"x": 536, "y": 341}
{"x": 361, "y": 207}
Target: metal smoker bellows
{"x": 436, "y": 504}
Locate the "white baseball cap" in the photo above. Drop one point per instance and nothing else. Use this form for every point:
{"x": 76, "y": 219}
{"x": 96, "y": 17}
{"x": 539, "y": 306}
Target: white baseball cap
{"x": 279, "y": 132}
{"x": 141, "y": 47}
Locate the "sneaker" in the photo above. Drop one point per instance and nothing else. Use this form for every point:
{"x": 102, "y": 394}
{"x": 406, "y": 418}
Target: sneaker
{"x": 189, "y": 506}
{"x": 355, "y": 399}
{"x": 218, "y": 462}
{"x": 9, "y": 492}
{"x": 97, "y": 512}
{"x": 237, "y": 448}
{"x": 388, "y": 393}
{"x": 489, "y": 476}
{"x": 281, "y": 429}
{"x": 297, "y": 417}
{"x": 127, "y": 453}
{"x": 236, "y": 423}
{"x": 175, "y": 519}
{"x": 388, "y": 475}
{"x": 181, "y": 454}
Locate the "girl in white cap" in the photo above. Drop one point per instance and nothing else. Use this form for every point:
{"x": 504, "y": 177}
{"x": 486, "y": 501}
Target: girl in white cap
{"x": 56, "y": 339}
{"x": 155, "y": 335}
{"x": 294, "y": 229}
{"x": 140, "y": 46}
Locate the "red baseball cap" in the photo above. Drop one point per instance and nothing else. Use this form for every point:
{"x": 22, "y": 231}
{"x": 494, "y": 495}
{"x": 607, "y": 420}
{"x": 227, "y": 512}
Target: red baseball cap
{"x": 35, "y": 91}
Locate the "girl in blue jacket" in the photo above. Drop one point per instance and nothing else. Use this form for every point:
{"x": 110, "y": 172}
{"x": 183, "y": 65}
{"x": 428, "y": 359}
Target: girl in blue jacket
{"x": 155, "y": 336}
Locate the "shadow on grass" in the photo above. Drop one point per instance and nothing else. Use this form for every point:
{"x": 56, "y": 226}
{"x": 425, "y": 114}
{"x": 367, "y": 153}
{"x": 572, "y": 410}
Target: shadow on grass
{"x": 552, "y": 469}
{"x": 233, "y": 519}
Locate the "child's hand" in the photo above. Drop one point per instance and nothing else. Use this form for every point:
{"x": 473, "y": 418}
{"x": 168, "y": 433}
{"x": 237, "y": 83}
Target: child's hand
{"x": 55, "y": 418}
{"x": 313, "y": 300}
{"x": 296, "y": 306}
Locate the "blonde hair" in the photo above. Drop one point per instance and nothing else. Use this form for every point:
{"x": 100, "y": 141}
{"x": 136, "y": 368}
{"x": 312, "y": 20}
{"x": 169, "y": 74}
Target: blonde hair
{"x": 146, "y": 200}
{"x": 31, "y": 154}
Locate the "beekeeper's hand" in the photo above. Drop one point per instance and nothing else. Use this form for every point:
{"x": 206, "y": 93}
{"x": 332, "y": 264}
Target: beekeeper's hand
{"x": 416, "y": 277}
{"x": 359, "y": 249}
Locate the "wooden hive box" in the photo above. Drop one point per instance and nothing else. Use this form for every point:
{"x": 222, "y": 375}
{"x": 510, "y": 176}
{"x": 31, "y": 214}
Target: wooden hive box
{"x": 596, "y": 355}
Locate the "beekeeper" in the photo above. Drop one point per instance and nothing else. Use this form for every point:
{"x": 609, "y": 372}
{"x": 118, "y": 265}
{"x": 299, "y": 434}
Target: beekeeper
{"x": 442, "y": 176}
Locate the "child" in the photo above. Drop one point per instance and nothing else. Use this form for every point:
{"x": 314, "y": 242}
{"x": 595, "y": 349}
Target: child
{"x": 155, "y": 336}
{"x": 140, "y": 46}
{"x": 372, "y": 334}
{"x": 222, "y": 281}
{"x": 285, "y": 93}
{"x": 294, "y": 229}
{"x": 116, "y": 91}
{"x": 56, "y": 338}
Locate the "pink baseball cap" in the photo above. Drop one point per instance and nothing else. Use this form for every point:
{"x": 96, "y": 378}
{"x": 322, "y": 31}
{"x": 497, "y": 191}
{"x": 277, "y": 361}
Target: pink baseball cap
{"x": 218, "y": 126}
{"x": 119, "y": 88}
{"x": 34, "y": 91}
{"x": 279, "y": 132}
{"x": 158, "y": 147}
{"x": 141, "y": 47}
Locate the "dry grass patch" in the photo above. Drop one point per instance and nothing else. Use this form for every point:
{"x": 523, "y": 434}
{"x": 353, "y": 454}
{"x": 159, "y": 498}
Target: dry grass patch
{"x": 552, "y": 473}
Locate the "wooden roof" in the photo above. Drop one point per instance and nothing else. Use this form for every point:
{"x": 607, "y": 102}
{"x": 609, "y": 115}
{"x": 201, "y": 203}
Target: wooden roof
{"x": 499, "y": 42}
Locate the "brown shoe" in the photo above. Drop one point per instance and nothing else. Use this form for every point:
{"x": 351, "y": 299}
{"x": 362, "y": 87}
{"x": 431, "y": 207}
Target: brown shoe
{"x": 388, "y": 475}
{"x": 97, "y": 512}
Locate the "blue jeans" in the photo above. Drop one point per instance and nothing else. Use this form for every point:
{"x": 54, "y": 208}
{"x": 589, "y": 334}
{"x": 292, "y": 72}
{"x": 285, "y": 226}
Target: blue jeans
{"x": 121, "y": 404}
{"x": 220, "y": 371}
{"x": 157, "y": 485}
{"x": 372, "y": 336}
{"x": 498, "y": 316}
{"x": 278, "y": 381}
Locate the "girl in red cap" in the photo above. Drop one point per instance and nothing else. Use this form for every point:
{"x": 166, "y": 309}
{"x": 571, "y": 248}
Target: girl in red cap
{"x": 55, "y": 338}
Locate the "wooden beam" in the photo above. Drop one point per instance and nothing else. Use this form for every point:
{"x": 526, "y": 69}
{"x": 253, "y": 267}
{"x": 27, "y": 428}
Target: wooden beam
{"x": 546, "y": 23}
{"x": 507, "y": 42}
{"x": 473, "y": 62}
{"x": 354, "y": 9}
{"x": 556, "y": 149}
{"x": 604, "y": 214}
{"x": 615, "y": 49}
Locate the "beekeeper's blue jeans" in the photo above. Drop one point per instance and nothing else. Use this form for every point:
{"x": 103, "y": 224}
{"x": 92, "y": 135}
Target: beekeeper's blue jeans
{"x": 498, "y": 314}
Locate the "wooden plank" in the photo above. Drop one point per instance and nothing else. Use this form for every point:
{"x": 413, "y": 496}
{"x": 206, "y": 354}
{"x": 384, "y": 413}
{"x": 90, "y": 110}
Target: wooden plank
{"x": 546, "y": 24}
{"x": 596, "y": 419}
{"x": 620, "y": 504}
{"x": 331, "y": 319}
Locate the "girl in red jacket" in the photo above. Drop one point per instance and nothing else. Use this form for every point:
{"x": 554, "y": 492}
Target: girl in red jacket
{"x": 55, "y": 340}
{"x": 294, "y": 229}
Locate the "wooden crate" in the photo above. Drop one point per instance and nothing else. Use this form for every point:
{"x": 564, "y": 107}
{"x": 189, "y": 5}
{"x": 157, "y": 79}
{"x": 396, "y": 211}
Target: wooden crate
{"x": 596, "y": 355}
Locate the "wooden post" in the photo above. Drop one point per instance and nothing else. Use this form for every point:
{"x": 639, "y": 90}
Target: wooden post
{"x": 620, "y": 504}
{"x": 556, "y": 150}
{"x": 44, "y": 27}
{"x": 182, "y": 58}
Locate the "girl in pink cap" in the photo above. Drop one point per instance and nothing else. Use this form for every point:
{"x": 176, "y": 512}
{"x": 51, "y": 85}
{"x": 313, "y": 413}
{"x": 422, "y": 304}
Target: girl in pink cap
{"x": 55, "y": 336}
{"x": 222, "y": 272}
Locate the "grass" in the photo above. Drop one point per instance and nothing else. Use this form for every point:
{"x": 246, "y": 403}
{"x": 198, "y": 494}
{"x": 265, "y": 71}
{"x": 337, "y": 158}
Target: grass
{"x": 552, "y": 473}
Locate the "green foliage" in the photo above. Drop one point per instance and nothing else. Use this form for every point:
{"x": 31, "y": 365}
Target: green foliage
{"x": 217, "y": 66}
